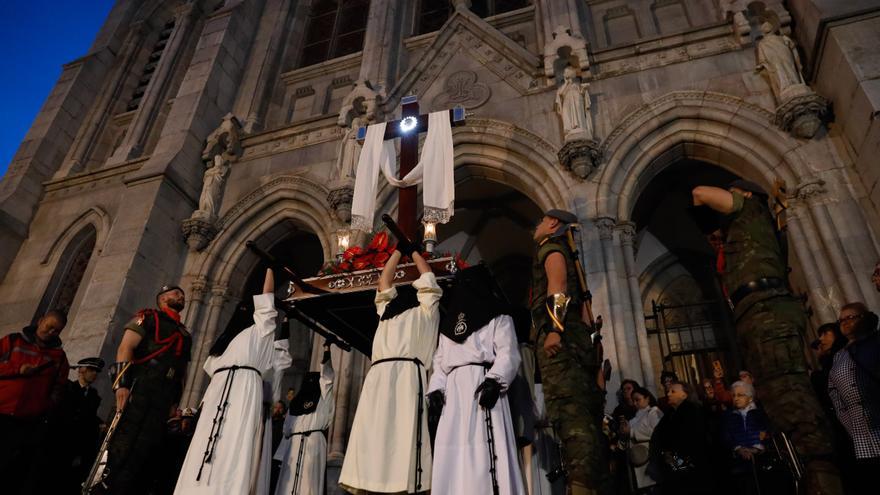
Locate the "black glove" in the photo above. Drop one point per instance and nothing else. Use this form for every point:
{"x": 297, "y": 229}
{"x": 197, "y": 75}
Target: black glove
{"x": 408, "y": 248}
{"x": 489, "y": 392}
{"x": 436, "y": 401}
{"x": 326, "y": 356}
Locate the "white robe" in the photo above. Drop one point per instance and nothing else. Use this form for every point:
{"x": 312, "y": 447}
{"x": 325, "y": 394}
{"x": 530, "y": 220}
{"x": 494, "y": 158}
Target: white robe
{"x": 312, "y": 460}
{"x": 381, "y": 454}
{"x": 461, "y": 449}
{"x": 271, "y": 395}
{"x": 234, "y": 465}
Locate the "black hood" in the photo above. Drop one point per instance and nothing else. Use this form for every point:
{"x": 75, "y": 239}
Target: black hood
{"x": 306, "y": 400}
{"x": 475, "y": 301}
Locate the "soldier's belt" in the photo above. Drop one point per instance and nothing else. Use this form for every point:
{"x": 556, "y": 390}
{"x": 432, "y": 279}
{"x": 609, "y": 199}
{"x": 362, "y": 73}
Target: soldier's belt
{"x": 764, "y": 283}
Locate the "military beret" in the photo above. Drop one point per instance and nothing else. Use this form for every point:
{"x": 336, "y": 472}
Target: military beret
{"x": 91, "y": 362}
{"x": 168, "y": 288}
{"x": 747, "y": 185}
{"x": 562, "y": 215}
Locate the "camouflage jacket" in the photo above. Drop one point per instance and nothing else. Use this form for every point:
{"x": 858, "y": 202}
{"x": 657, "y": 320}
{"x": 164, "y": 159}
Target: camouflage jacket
{"x": 538, "y": 299}
{"x": 751, "y": 249}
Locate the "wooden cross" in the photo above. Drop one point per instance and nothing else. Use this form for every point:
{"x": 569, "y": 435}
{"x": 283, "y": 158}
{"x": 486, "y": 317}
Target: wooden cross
{"x": 408, "y": 128}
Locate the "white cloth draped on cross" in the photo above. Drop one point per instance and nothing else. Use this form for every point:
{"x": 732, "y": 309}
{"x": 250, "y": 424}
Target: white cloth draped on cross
{"x": 434, "y": 171}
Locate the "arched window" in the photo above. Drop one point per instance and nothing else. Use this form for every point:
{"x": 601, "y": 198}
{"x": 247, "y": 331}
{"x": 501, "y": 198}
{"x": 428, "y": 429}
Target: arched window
{"x": 488, "y": 8}
{"x": 336, "y": 28}
{"x": 69, "y": 273}
{"x": 432, "y": 14}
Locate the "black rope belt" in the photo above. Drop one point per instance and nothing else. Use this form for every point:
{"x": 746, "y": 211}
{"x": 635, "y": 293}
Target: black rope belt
{"x": 221, "y": 412}
{"x": 417, "y": 361}
{"x": 299, "y": 455}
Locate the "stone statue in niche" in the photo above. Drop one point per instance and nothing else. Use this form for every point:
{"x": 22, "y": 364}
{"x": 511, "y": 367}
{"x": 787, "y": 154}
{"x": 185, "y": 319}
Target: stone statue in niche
{"x": 221, "y": 149}
{"x": 777, "y": 57}
{"x": 573, "y": 105}
{"x": 349, "y": 151}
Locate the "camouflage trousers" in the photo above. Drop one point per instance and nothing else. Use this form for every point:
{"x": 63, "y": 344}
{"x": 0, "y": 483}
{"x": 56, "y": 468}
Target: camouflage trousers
{"x": 575, "y": 404}
{"x": 770, "y": 337}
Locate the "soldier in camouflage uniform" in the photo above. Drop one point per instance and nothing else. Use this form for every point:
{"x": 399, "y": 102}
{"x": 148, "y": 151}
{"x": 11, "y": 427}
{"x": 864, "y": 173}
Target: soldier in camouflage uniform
{"x": 567, "y": 357}
{"x": 148, "y": 380}
{"x": 770, "y": 324}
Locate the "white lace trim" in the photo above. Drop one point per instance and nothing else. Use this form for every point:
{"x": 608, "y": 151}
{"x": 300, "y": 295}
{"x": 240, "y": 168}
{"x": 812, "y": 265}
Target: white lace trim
{"x": 361, "y": 223}
{"x": 438, "y": 215}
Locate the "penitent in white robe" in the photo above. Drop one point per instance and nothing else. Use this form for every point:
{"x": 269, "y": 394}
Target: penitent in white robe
{"x": 233, "y": 467}
{"x": 271, "y": 395}
{"x": 382, "y": 452}
{"x": 461, "y": 447}
{"x": 304, "y": 457}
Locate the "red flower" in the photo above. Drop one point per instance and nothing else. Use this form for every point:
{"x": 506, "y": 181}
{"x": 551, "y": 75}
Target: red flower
{"x": 379, "y": 259}
{"x": 352, "y": 252}
{"x": 379, "y": 242}
{"x": 360, "y": 264}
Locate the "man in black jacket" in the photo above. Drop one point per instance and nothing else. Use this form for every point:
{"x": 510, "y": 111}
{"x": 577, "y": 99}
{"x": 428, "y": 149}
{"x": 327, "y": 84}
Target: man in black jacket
{"x": 679, "y": 445}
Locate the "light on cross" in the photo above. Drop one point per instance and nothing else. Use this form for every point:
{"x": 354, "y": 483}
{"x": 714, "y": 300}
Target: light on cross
{"x": 408, "y": 124}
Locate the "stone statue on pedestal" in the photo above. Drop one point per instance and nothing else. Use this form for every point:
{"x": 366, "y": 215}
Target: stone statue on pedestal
{"x": 778, "y": 57}
{"x": 222, "y": 147}
{"x": 800, "y": 111}
{"x": 573, "y": 105}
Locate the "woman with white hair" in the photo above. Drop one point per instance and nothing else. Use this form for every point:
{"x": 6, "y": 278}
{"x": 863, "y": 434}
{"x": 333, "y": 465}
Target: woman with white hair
{"x": 744, "y": 433}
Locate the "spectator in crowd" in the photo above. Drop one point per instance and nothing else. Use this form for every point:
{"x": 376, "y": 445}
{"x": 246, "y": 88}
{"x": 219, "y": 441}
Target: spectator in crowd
{"x": 744, "y": 434}
{"x": 746, "y": 376}
{"x": 625, "y": 406}
{"x": 623, "y": 412}
{"x": 636, "y": 436}
{"x": 78, "y": 425}
{"x": 667, "y": 378}
{"x": 826, "y": 345}
{"x": 33, "y": 375}
{"x": 679, "y": 445}
{"x": 854, "y": 388}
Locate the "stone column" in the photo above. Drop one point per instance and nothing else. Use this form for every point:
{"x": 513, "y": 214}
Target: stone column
{"x": 102, "y": 109}
{"x": 831, "y": 247}
{"x": 195, "y": 299}
{"x": 821, "y": 285}
{"x": 206, "y": 334}
{"x": 617, "y": 320}
{"x": 264, "y": 62}
{"x": 381, "y": 44}
{"x": 627, "y": 232}
{"x": 156, "y": 92}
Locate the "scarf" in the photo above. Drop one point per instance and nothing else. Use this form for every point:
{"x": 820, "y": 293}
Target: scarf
{"x": 434, "y": 170}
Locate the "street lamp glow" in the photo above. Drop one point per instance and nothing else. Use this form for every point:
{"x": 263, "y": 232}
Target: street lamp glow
{"x": 408, "y": 123}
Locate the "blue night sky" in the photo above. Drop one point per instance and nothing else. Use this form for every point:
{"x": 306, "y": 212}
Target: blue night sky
{"x": 36, "y": 38}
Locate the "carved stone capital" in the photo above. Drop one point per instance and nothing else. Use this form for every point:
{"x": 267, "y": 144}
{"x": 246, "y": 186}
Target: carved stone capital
{"x": 197, "y": 288}
{"x": 605, "y": 226}
{"x": 581, "y": 156}
{"x": 340, "y": 201}
{"x": 802, "y": 115}
{"x": 810, "y": 189}
{"x": 627, "y": 232}
{"x": 219, "y": 295}
{"x": 198, "y": 233}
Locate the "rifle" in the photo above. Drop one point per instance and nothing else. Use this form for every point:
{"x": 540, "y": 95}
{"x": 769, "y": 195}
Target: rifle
{"x": 329, "y": 337}
{"x": 98, "y": 473}
{"x": 276, "y": 265}
{"x": 595, "y": 323}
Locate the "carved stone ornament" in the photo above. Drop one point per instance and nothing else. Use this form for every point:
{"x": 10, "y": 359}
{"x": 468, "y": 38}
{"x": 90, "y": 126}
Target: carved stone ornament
{"x": 803, "y": 115}
{"x": 198, "y": 233}
{"x": 340, "y": 201}
{"x": 566, "y": 47}
{"x": 222, "y": 148}
{"x": 581, "y": 156}
{"x": 462, "y": 88}
{"x": 605, "y": 226}
{"x": 363, "y": 101}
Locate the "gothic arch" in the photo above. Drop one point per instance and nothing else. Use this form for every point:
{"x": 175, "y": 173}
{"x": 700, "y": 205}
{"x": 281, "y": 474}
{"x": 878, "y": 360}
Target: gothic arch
{"x": 502, "y": 152}
{"x": 295, "y": 199}
{"x": 712, "y": 127}
{"x": 94, "y": 216}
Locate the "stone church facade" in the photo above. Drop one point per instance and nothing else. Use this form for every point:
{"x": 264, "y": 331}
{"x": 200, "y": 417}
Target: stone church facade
{"x": 191, "y": 127}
